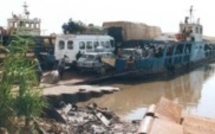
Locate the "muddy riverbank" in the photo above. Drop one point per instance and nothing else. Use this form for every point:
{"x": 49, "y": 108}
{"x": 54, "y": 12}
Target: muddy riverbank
{"x": 194, "y": 91}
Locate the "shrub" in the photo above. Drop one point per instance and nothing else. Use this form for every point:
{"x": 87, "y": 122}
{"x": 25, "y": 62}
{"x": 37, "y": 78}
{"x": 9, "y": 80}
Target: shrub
{"x": 19, "y": 97}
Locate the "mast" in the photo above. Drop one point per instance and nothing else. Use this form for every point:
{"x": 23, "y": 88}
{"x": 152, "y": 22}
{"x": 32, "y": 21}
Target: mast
{"x": 26, "y": 12}
{"x": 191, "y": 14}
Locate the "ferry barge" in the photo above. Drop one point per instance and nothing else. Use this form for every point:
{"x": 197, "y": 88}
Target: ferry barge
{"x": 167, "y": 58}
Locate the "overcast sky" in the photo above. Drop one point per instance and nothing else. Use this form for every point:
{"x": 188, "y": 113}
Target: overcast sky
{"x": 166, "y": 14}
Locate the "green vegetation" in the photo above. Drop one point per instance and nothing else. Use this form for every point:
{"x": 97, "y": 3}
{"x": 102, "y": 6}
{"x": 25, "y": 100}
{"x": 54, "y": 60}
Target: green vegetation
{"x": 20, "y": 98}
{"x": 73, "y": 27}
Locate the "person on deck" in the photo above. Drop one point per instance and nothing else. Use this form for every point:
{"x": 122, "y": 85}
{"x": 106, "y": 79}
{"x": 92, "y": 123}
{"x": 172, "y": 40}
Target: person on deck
{"x": 150, "y": 52}
{"x": 38, "y": 68}
{"x": 78, "y": 55}
{"x": 119, "y": 53}
{"x": 61, "y": 66}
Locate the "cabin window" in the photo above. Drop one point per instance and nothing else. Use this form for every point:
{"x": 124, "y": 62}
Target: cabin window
{"x": 200, "y": 30}
{"x": 70, "y": 45}
{"x": 82, "y": 45}
{"x": 37, "y": 25}
{"x": 179, "y": 49}
{"x": 21, "y": 24}
{"x": 102, "y": 44}
{"x": 61, "y": 45}
{"x": 95, "y": 44}
{"x": 89, "y": 45}
{"x": 15, "y": 24}
{"x": 27, "y": 25}
{"x": 197, "y": 30}
{"x": 107, "y": 44}
{"x": 205, "y": 47}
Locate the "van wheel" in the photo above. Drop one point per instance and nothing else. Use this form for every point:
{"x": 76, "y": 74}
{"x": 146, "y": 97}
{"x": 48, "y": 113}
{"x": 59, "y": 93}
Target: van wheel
{"x": 102, "y": 71}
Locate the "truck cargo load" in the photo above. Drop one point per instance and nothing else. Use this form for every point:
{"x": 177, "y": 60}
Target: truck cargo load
{"x": 125, "y": 31}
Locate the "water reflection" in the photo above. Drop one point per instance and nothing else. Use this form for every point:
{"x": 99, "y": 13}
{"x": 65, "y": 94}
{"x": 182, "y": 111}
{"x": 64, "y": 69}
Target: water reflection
{"x": 194, "y": 91}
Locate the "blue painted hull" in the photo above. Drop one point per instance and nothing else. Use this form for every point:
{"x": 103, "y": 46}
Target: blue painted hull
{"x": 167, "y": 65}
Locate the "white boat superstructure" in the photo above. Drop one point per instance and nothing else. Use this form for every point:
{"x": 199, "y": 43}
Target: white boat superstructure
{"x": 23, "y": 25}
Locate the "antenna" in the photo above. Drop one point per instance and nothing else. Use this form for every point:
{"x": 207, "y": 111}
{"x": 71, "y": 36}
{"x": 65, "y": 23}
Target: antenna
{"x": 191, "y": 13}
{"x": 26, "y": 12}
{"x": 191, "y": 17}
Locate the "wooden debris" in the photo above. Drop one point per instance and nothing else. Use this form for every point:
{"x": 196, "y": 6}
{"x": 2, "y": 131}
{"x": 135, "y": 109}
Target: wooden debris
{"x": 104, "y": 120}
{"x": 168, "y": 110}
{"x": 92, "y": 119}
{"x": 165, "y": 118}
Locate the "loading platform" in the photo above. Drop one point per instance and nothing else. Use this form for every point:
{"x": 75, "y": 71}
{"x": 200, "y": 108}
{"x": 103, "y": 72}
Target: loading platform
{"x": 167, "y": 117}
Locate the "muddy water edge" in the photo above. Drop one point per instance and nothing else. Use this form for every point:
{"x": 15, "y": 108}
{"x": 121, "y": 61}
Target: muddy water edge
{"x": 194, "y": 90}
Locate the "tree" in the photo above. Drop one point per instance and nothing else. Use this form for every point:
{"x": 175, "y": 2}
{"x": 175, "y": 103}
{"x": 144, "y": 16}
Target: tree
{"x": 73, "y": 27}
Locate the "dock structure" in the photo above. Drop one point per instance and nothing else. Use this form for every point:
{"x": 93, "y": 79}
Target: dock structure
{"x": 76, "y": 93}
{"x": 72, "y": 89}
{"x": 167, "y": 118}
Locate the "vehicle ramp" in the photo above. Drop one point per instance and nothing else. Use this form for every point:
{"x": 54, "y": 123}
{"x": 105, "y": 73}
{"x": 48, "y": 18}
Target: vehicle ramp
{"x": 167, "y": 118}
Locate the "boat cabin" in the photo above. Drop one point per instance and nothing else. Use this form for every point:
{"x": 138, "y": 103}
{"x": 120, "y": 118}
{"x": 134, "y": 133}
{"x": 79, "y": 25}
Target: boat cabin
{"x": 23, "y": 25}
{"x": 191, "y": 30}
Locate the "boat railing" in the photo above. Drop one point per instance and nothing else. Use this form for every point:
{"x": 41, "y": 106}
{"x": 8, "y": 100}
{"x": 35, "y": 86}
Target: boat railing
{"x": 186, "y": 57}
{"x": 177, "y": 59}
{"x": 209, "y": 53}
{"x": 155, "y": 63}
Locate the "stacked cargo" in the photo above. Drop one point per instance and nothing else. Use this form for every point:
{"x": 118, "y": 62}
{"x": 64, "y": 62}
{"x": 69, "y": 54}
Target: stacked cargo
{"x": 134, "y": 31}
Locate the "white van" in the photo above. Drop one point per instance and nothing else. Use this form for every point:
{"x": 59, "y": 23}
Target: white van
{"x": 70, "y": 45}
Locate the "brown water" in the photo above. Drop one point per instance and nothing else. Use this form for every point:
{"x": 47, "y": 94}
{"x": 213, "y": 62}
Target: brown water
{"x": 195, "y": 91}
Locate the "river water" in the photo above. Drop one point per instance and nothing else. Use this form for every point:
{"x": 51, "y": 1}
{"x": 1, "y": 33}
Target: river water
{"x": 195, "y": 91}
